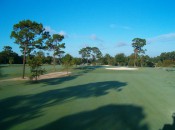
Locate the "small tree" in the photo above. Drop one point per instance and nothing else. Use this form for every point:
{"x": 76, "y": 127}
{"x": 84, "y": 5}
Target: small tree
{"x": 35, "y": 64}
{"x": 138, "y": 44}
{"x": 67, "y": 61}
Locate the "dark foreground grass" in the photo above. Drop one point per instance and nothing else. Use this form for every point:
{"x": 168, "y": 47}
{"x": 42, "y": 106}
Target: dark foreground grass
{"x": 90, "y": 99}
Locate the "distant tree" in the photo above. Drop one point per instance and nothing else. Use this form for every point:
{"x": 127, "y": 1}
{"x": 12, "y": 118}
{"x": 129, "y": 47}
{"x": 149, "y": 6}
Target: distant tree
{"x": 166, "y": 59}
{"x": 11, "y": 60}
{"x": 7, "y": 52}
{"x": 91, "y": 54}
{"x": 29, "y": 35}
{"x": 53, "y": 44}
{"x": 108, "y": 60}
{"x": 131, "y": 59}
{"x": 96, "y": 54}
{"x": 7, "y": 49}
{"x": 138, "y": 44}
{"x": 120, "y": 59}
{"x": 67, "y": 61}
{"x": 48, "y": 59}
{"x": 168, "y": 63}
{"x": 77, "y": 61}
{"x": 85, "y": 53}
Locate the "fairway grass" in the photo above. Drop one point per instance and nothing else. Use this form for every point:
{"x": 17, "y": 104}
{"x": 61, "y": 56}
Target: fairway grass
{"x": 90, "y": 99}
{"x": 14, "y": 71}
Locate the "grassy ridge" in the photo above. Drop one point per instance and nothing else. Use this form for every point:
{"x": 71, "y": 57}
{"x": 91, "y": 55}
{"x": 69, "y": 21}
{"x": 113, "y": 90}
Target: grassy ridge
{"x": 91, "y": 98}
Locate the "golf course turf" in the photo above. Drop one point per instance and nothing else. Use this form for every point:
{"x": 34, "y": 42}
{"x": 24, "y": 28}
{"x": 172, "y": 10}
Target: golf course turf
{"x": 91, "y": 98}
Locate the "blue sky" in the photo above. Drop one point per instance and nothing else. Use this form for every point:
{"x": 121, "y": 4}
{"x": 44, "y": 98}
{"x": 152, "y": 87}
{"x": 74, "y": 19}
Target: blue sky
{"x": 108, "y": 24}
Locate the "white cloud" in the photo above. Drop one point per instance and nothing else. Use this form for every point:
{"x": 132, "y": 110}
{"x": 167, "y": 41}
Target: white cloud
{"x": 63, "y": 33}
{"x": 50, "y": 30}
{"x": 162, "y": 38}
{"x": 121, "y": 44}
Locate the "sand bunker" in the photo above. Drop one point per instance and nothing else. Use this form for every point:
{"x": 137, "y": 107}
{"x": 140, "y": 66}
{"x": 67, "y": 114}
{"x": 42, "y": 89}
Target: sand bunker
{"x": 122, "y": 68}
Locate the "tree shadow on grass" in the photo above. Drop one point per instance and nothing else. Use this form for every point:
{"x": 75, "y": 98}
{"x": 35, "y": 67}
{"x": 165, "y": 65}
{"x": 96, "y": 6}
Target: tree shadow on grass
{"x": 18, "y": 109}
{"x": 55, "y": 81}
{"x": 110, "y": 117}
{"x": 2, "y": 76}
{"x": 0, "y": 72}
{"x": 86, "y": 69}
{"x": 170, "y": 126}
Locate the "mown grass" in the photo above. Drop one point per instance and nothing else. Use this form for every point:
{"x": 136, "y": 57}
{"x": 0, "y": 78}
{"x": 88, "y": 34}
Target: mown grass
{"x": 92, "y": 98}
{"x": 13, "y": 71}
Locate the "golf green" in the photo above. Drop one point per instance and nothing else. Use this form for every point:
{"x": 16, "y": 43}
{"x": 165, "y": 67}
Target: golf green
{"x": 92, "y": 98}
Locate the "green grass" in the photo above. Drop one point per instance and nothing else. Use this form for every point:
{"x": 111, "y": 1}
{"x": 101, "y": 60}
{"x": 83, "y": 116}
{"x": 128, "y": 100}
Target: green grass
{"x": 12, "y": 71}
{"x": 90, "y": 99}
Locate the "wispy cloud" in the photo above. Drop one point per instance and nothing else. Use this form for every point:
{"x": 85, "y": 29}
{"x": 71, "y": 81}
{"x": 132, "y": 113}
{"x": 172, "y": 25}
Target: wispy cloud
{"x": 92, "y": 37}
{"x": 53, "y": 31}
{"x": 162, "y": 38}
{"x": 113, "y": 26}
{"x": 95, "y": 38}
{"x": 121, "y": 44}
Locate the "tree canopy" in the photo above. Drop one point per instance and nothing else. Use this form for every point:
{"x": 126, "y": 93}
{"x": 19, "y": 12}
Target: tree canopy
{"x": 90, "y": 53}
{"x": 29, "y": 35}
{"x": 53, "y": 44}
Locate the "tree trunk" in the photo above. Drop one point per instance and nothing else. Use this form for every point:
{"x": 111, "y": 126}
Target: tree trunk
{"x": 135, "y": 58}
{"x": 54, "y": 61}
{"x": 141, "y": 61}
{"x": 36, "y": 75}
{"x": 24, "y": 61}
{"x": 67, "y": 69}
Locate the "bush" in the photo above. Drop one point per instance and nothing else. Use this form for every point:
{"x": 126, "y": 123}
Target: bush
{"x": 35, "y": 67}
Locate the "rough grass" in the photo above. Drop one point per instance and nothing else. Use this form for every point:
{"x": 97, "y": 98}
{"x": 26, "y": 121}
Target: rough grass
{"x": 90, "y": 99}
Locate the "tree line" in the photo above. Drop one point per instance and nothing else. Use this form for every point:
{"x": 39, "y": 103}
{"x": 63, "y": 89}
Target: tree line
{"x": 34, "y": 40}
{"x": 165, "y": 59}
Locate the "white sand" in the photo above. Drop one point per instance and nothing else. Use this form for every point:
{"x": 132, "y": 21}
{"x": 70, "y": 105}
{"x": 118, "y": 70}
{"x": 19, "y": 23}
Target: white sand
{"x": 122, "y": 68}
{"x": 106, "y": 65}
